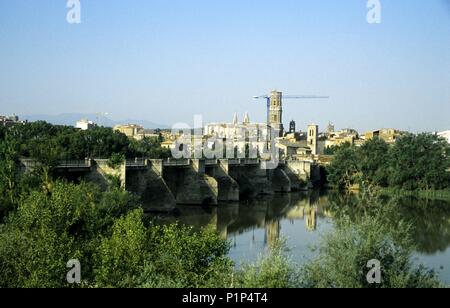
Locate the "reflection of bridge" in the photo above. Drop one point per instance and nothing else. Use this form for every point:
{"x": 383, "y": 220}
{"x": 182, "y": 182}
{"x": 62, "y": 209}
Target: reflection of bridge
{"x": 265, "y": 214}
{"x": 190, "y": 181}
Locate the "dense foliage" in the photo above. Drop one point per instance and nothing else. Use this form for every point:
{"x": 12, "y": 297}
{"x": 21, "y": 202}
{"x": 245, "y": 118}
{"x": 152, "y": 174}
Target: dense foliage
{"x": 50, "y": 144}
{"x": 345, "y": 254}
{"x": 414, "y": 162}
{"x": 47, "y": 143}
{"x": 110, "y": 237}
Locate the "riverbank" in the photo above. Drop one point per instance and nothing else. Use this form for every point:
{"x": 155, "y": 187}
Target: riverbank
{"x": 443, "y": 195}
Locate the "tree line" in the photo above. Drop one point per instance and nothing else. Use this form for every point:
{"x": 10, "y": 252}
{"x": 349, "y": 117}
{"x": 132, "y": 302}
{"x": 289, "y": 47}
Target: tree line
{"x": 47, "y": 142}
{"x": 414, "y": 162}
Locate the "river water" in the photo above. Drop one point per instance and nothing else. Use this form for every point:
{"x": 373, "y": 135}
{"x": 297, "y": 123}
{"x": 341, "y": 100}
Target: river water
{"x": 302, "y": 218}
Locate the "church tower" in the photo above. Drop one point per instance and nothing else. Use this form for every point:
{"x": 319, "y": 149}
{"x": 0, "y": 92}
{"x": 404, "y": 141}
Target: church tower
{"x": 292, "y": 127}
{"x": 276, "y": 111}
{"x": 313, "y": 138}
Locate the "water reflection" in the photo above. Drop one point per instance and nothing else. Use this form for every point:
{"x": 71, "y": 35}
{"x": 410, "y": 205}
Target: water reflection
{"x": 252, "y": 226}
{"x": 266, "y": 213}
{"x": 429, "y": 219}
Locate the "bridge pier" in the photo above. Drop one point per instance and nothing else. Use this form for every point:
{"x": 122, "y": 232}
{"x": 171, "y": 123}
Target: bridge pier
{"x": 148, "y": 183}
{"x": 103, "y": 175}
{"x": 299, "y": 173}
{"x": 251, "y": 178}
{"x": 190, "y": 184}
{"x": 280, "y": 181}
{"x": 228, "y": 188}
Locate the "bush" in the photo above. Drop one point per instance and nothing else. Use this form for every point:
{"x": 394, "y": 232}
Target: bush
{"x": 344, "y": 255}
{"x": 108, "y": 235}
{"x": 186, "y": 258}
{"x": 274, "y": 270}
{"x": 47, "y": 230}
{"x": 116, "y": 160}
{"x": 120, "y": 257}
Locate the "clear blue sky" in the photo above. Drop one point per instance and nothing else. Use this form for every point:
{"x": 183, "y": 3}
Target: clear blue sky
{"x": 164, "y": 61}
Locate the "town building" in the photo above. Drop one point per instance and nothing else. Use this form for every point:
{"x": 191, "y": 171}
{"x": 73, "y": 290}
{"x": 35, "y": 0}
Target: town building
{"x": 293, "y": 150}
{"x": 242, "y": 135}
{"x": 300, "y": 146}
{"x": 313, "y": 138}
{"x": 389, "y": 135}
{"x": 237, "y": 130}
{"x": 445, "y": 134}
{"x": 131, "y": 131}
{"x": 347, "y": 135}
{"x": 84, "y": 124}
{"x": 8, "y": 121}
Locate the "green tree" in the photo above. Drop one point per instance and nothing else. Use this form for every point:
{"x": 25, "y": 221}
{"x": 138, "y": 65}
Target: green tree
{"x": 121, "y": 257}
{"x": 149, "y": 148}
{"x": 374, "y": 162}
{"x": 182, "y": 257}
{"x": 420, "y": 162}
{"x": 8, "y": 175}
{"x": 331, "y": 150}
{"x": 344, "y": 168}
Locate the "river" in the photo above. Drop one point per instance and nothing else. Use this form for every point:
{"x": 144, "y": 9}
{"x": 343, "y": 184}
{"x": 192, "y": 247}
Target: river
{"x": 302, "y": 218}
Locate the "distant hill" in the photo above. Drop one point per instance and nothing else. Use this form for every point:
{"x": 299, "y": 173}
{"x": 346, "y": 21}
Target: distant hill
{"x": 70, "y": 119}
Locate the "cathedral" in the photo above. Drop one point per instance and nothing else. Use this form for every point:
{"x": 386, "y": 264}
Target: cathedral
{"x": 237, "y": 130}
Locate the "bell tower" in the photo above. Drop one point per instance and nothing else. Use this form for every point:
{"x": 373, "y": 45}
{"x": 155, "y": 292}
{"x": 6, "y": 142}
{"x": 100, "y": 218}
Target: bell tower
{"x": 276, "y": 111}
{"x": 313, "y": 138}
{"x": 292, "y": 127}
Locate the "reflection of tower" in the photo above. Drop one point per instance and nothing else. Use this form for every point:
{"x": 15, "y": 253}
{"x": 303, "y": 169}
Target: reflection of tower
{"x": 311, "y": 219}
{"x": 276, "y": 111}
{"x": 292, "y": 127}
{"x": 273, "y": 229}
{"x": 313, "y": 135}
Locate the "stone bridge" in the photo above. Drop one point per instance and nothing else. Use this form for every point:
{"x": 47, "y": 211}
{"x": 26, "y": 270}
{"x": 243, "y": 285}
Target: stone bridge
{"x": 165, "y": 183}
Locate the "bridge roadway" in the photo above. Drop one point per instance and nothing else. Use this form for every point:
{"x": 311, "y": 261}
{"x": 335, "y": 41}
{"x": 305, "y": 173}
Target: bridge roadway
{"x": 165, "y": 183}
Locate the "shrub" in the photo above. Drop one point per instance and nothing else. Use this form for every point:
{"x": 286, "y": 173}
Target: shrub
{"x": 273, "y": 270}
{"x": 345, "y": 253}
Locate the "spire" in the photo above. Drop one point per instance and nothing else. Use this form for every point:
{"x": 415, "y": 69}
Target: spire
{"x": 246, "y": 118}
{"x": 235, "y": 119}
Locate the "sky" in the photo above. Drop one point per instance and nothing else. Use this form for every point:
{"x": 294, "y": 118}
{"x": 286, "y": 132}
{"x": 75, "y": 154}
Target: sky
{"x": 167, "y": 60}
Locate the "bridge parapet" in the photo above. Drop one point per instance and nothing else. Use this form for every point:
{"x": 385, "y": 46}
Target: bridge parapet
{"x": 75, "y": 164}
{"x": 251, "y": 161}
{"x": 137, "y": 162}
{"x": 244, "y": 161}
{"x": 211, "y": 162}
{"x": 30, "y": 164}
{"x": 177, "y": 162}
{"x": 234, "y": 161}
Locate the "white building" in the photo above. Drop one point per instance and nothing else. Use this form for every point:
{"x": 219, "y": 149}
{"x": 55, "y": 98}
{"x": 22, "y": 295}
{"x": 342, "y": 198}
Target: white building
{"x": 237, "y": 130}
{"x": 445, "y": 134}
{"x": 84, "y": 124}
{"x": 242, "y": 135}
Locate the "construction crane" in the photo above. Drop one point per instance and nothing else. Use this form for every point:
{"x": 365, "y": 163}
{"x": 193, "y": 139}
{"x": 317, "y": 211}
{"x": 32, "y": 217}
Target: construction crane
{"x": 267, "y": 98}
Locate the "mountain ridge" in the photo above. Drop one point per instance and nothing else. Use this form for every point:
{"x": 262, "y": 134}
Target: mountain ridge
{"x": 70, "y": 119}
